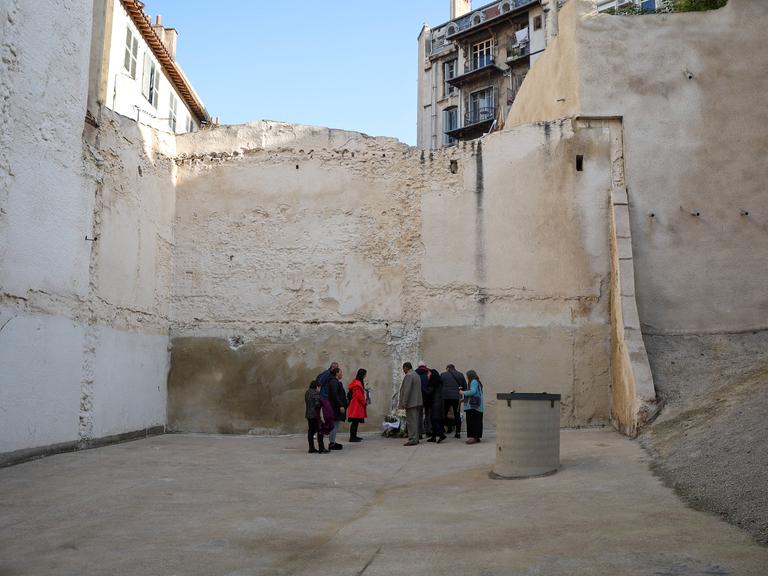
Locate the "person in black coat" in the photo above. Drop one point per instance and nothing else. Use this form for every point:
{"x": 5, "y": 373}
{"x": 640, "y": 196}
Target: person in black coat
{"x": 435, "y": 388}
{"x": 453, "y": 383}
{"x": 425, "y": 419}
{"x": 338, "y": 398}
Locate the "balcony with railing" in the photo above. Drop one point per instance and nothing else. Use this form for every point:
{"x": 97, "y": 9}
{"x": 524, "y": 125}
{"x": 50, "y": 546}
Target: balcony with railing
{"x": 518, "y": 51}
{"x": 438, "y": 45}
{"x": 477, "y": 121}
{"x": 477, "y": 66}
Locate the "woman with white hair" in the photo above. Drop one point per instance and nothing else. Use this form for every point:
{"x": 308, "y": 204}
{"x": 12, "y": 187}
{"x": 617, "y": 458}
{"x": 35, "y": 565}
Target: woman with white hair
{"x": 473, "y": 407}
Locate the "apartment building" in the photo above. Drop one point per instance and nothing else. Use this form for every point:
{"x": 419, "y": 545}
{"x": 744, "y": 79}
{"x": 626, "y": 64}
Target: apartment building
{"x": 135, "y": 72}
{"x": 471, "y": 67}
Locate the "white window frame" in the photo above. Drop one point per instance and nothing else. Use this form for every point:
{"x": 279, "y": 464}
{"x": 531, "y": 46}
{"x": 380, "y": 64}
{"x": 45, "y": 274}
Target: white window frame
{"x": 172, "y": 108}
{"x": 131, "y": 53}
{"x": 454, "y": 111}
{"x": 481, "y": 54}
{"x": 150, "y": 86}
{"x": 448, "y": 89}
{"x": 474, "y": 104}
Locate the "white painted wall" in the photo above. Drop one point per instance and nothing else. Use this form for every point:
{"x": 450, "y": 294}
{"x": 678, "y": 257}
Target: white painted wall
{"x": 45, "y": 212}
{"x": 83, "y": 324}
{"x": 40, "y": 370}
{"x": 129, "y": 387}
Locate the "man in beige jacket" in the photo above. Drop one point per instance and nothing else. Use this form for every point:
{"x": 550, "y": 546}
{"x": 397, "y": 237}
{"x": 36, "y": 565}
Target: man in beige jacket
{"x": 410, "y": 399}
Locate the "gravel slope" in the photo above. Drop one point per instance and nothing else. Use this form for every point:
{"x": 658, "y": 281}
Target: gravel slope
{"x": 711, "y": 441}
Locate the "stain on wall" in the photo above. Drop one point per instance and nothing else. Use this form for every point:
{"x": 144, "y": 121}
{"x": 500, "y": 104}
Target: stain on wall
{"x": 230, "y": 386}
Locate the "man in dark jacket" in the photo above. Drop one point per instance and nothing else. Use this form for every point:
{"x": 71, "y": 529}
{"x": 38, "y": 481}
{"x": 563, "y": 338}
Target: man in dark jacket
{"x": 453, "y": 381}
{"x": 425, "y": 418}
{"x": 338, "y": 397}
{"x": 435, "y": 389}
{"x": 325, "y": 375}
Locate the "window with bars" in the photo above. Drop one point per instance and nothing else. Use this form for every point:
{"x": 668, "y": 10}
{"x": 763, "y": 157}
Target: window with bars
{"x": 131, "y": 53}
{"x": 150, "y": 80}
{"x": 172, "y": 112}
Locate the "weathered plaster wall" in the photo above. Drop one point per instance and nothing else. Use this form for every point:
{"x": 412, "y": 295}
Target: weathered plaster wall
{"x": 520, "y": 293}
{"x": 694, "y": 115}
{"x": 297, "y": 245}
{"x": 83, "y": 323}
{"x": 693, "y": 110}
{"x": 303, "y": 243}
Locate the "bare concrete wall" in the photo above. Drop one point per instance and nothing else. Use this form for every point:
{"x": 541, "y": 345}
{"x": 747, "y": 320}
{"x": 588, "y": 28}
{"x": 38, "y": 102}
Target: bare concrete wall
{"x": 297, "y": 245}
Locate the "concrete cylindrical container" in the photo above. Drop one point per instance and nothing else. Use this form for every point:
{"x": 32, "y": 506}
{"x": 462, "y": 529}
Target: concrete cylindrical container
{"x": 527, "y": 435}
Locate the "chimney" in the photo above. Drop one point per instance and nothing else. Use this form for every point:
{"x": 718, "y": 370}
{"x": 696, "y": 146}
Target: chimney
{"x": 158, "y": 28}
{"x": 460, "y": 7}
{"x": 171, "y": 36}
{"x": 168, "y": 36}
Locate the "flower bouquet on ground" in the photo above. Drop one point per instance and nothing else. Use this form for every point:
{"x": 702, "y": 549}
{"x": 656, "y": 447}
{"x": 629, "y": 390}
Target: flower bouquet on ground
{"x": 394, "y": 423}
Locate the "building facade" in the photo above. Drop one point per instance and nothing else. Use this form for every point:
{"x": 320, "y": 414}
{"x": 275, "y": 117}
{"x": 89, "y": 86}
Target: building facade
{"x": 471, "y": 67}
{"x": 135, "y": 69}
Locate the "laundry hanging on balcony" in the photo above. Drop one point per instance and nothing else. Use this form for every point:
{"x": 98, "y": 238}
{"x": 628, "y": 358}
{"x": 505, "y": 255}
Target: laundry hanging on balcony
{"x": 522, "y": 35}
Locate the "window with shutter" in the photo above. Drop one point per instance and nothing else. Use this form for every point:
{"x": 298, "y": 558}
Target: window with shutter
{"x": 150, "y": 84}
{"x": 131, "y": 53}
{"x": 146, "y": 74}
{"x": 154, "y": 89}
{"x": 172, "y": 113}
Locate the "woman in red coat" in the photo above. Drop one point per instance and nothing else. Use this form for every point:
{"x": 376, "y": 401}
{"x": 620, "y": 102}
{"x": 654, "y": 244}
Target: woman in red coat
{"x": 356, "y": 412}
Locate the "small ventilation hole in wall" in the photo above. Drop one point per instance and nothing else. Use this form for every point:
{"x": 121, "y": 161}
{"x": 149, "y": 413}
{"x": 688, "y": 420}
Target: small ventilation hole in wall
{"x": 579, "y": 163}
{"x": 454, "y": 166}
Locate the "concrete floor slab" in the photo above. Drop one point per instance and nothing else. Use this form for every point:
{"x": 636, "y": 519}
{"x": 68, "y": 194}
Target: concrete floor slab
{"x": 234, "y": 505}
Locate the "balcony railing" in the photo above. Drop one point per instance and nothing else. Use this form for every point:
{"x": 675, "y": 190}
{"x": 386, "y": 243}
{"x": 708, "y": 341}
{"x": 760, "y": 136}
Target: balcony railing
{"x": 515, "y": 51}
{"x": 479, "y": 63}
{"x": 479, "y": 115}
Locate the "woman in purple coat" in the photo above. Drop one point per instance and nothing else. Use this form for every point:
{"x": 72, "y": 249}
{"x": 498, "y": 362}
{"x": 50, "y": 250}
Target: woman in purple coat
{"x": 325, "y": 417}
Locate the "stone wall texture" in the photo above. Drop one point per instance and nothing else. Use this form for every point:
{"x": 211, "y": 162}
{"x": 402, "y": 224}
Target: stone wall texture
{"x": 296, "y": 246}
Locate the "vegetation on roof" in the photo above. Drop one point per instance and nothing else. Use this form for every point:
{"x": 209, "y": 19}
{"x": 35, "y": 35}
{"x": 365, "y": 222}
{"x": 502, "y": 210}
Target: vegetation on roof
{"x": 667, "y": 6}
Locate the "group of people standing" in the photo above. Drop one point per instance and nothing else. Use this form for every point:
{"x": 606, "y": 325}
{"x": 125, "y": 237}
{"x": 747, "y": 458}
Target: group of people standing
{"x": 429, "y": 396}
{"x": 327, "y": 405}
{"x": 426, "y": 395}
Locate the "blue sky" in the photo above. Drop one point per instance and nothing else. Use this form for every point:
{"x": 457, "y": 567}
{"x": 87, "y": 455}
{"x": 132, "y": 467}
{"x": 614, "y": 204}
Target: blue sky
{"x": 347, "y": 64}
